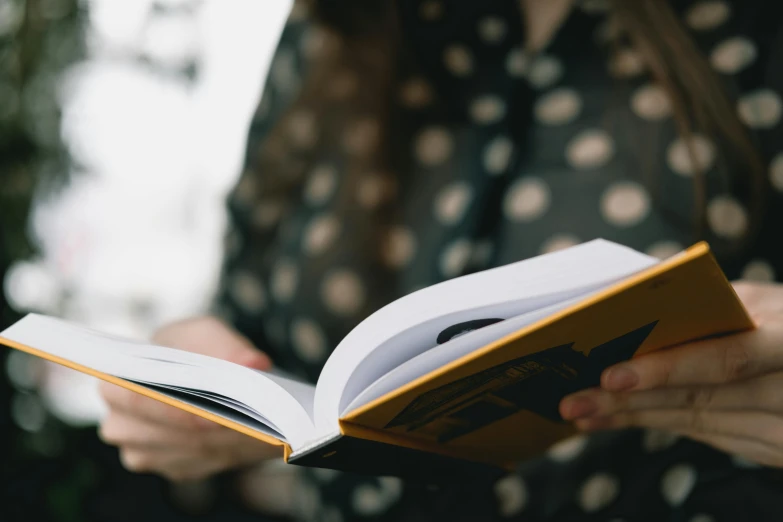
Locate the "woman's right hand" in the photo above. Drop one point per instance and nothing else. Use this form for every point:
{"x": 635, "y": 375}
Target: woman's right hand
{"x": 157, "y": 438}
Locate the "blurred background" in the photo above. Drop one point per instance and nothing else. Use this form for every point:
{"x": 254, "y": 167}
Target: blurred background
{"x": 122, "y": 127}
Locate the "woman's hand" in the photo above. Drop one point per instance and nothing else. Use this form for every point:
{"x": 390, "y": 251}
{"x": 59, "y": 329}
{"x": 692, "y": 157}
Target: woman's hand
{"x": 726, "y": 392}
{"x": 156, "y": 438}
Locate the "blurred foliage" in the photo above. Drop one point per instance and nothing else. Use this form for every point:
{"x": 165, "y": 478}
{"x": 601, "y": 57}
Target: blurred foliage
{"x": 38, "y": 40}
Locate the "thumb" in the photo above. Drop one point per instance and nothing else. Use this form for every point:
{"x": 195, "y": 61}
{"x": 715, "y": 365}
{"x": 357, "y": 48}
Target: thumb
{"x": 243, "y": 352}
{"x": 209, "y": 336}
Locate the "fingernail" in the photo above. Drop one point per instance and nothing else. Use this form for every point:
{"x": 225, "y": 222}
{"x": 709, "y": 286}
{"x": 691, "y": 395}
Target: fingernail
{"x": 594, "y": 424}
{"x": 578, "y": 407}
{"x": 620, "y": 378}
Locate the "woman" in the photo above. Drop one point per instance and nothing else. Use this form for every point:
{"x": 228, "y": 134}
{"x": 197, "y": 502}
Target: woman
{"x": 399, "y": 143}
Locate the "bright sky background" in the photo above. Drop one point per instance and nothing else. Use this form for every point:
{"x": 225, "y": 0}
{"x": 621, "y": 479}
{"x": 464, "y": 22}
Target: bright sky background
{"x": 142, "y": 229}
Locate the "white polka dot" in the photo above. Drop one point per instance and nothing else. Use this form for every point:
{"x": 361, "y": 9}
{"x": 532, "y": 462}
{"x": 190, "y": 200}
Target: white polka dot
{"x": 625, "y": 203}
{"x": 726, "y": 217}
{"x": 320, "y": 233}
{"x": 452, "y": 201}
{"x": 568, "y": 449}
{"x": 391, "y": 489}
{"x": 776, "y": 172}
{"x": 558, "y": 107}
{"x": 248, "y": 292}
{"x": 733, "y": 55}
{"x": 431, "y": 10}
{"x": 626, "y": 63}
{"x": 657, "y": 440}
{"x": 544, "y": 71}
{"x": 458, "y": 60}
{"x": 598, "y": 492}
{"x": 527, "y": 199}
{"x": 373, "y": 189}
{"x": 487, "y": 109}
{"x": 492, "y": 29}
{"x": 742, "y": 462}
{"x": 511, "y": 494}
{"x": 416, "y": 93}
{"x": 399, "y": 247}
{"x": 760, "y": 109}
{"x": 758, "y": 270}
{"x": 302, "y": 129}
{"x": 361, "y": 137}
{"x": 284, "y": 280}
{"x": 559, "y": 242}
{"x": 266, "y": 214}
{"x": 455, "y": 257}
{"x": 664, "y": 249}
{"x": 308, "y": 340}
{"x": 678, "y": 155}
{"x": 702, "y": 517}
{"x": 343, "y": 292}
{"x": 590, "y": 149}
{"x": 497, "y": 155}
{"x": 677, "y": 484}
{"x": 434, "y": 146}
{"x": 367, "y": 501}
{"x": 595, "y": 6}
{"x": 708, "y": 14}
{"x": 517, "y": 63}
{"x": 651, "y": 103}
{"x": 320, "y": 185}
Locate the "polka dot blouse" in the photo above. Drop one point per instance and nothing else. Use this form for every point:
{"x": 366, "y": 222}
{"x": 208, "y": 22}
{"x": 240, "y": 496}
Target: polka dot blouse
{"x": 499, "y": 155}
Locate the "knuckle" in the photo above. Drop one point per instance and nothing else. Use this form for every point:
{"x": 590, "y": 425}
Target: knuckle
{"x": 699, "y": 398}
{"x": 136, "y": 461}
{"x": 736, "y": 360}
{"x": 665, "y": 370}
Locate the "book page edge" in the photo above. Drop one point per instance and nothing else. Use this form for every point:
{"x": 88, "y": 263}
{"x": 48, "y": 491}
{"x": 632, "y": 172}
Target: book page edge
{"x": 690, "y": 254}
{"x": 150, "y": 393}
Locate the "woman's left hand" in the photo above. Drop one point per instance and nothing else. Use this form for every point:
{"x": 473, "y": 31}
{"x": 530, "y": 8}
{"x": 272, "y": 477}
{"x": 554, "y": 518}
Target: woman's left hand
{"x": 726, "y": 392}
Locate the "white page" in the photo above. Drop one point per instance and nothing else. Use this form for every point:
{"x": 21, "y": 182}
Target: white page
{"x": 218, "y": 408}
{"x": 409, "y": 326}
{"x": 445, "y": 353}
{"x": 275, "y": 397}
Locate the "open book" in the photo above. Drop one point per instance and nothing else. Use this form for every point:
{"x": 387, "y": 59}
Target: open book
{"x": 470, "y": 370}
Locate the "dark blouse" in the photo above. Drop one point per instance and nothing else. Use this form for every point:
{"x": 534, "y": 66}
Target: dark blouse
{"x": 499, "y": 156}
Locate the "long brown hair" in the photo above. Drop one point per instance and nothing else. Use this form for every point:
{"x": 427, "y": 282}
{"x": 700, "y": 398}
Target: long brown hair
{"x": 361, "y": 36}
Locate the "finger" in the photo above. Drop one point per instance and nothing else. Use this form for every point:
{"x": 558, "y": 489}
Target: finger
{"x": 118, "y": 429}
{"x": 759, "y": 394}
{"x": 756, "y": 426}
{"x": 173, "y": 466}
{"x": 210, "y": 336}
{"x": 136, "y": 405}
{"x": 710, "y": 361}
{"x": 133, "y": 434}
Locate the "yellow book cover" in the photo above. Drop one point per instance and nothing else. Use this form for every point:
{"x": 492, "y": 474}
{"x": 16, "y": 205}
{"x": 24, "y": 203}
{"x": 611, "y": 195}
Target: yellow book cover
{"x": 487, "y": 409}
